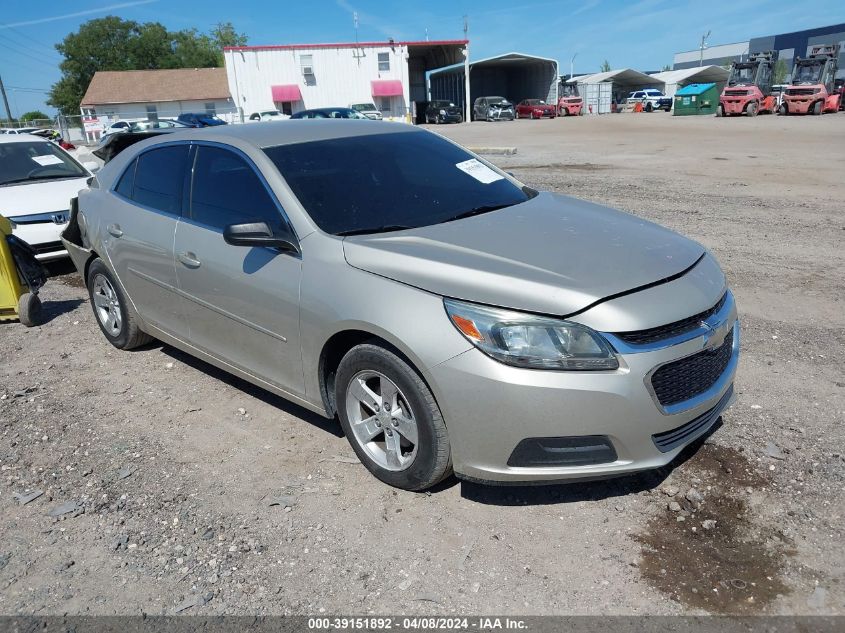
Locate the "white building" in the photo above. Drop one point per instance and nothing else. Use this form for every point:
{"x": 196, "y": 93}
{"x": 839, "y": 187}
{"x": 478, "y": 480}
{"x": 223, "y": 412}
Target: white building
{"x": 290, "y": 78}
{"x": 151, "y": 94}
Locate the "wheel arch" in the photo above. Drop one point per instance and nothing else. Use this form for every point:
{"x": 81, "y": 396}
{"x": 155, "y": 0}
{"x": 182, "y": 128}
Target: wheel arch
{"x": 337, "y": 346}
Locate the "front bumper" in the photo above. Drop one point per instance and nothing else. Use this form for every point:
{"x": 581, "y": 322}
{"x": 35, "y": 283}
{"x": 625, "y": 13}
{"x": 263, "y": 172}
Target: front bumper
{"x": 44, "y": 237}
{"x": 490, "y": 408}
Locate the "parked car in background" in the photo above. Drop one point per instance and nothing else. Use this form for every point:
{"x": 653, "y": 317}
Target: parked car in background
{"x": 20, "y": 130}
{"x": 116, "y": 127}
{"x": 37, "y": 180}
{"x": 534, "y": 109}
{"x": 387, "y": 276}
{"x": 199, "y": 119}
{"x": 268, "y": 115}
{"x": 652, "y": 99}
{"x": 161, "y": 124}
{"x": 571, "y": 105}
{"x": 369, "y": 110}
{"x": 443, "y": 112}
{"x": 492, "y": 109}
{"x": 329, "y": 113}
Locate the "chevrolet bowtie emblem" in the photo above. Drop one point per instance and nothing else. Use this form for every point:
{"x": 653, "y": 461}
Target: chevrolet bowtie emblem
{"x": 714, "y": 336}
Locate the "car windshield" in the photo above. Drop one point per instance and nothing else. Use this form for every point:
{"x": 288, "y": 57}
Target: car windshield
{"x": 33, "y": 161}
{"x": 383, "y": 182}
{"x": 363, "y": 107}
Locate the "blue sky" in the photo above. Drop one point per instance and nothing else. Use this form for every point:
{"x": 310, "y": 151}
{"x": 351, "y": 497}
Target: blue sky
{"x": 642, "y": 34}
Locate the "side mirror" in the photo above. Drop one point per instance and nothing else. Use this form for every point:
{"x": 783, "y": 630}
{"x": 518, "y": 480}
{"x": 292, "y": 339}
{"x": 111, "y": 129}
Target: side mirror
{"x": 259, "y": 234}
{"x": 92, "y": 166}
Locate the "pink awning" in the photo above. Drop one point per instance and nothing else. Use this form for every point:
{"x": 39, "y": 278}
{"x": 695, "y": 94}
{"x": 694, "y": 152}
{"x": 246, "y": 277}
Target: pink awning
{"x": 289, "y": 92}
{"x": 387, "y": 88}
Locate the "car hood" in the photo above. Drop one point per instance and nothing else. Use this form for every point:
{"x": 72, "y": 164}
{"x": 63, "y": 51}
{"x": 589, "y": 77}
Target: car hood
{"x": 552, "y": 254}
{"x": 39, "y": 197}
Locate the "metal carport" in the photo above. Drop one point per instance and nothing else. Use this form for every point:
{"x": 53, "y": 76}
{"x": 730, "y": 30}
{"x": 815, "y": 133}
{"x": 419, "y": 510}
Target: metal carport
{"x": 515, "y": 76}
{"x": 673, "y": 80}
{"x": 601, "y": 90}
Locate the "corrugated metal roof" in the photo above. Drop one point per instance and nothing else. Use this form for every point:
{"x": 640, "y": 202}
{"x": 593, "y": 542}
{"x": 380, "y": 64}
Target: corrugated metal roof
{"x": 701, "y": 73}
{"x": 155, "y": 86}
{"x": 694, "y": 89}
{"x": 622, "y": 74}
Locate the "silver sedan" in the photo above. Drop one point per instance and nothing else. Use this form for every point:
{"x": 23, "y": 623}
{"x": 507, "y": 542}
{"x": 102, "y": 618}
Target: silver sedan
{"x": 452, "y": 318}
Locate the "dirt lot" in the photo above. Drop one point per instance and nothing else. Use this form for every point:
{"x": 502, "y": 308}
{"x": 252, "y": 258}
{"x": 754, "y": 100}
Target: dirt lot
{"x": 185, "y": 490}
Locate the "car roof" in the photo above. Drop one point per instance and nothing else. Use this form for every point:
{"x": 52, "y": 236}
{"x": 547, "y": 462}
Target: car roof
{"x": 22, "y": 138}
{"x": 294, "y": 131}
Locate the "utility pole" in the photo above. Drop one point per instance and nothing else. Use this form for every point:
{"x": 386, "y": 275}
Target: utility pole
{"x": 467, "y": 103}
{"x": 5, "y": 100}
{"x": 702, "y": 47}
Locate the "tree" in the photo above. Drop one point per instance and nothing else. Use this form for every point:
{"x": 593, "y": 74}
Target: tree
{"x": 666, "y": 68}
{"x": 605, "y": 67}
{"x": 112, "y": 43}
{"x": 35, "y": 115}
{"x": 781, "y": 72}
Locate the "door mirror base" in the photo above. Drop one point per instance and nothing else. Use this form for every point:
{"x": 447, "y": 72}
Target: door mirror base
{"x": 259, "y": 234}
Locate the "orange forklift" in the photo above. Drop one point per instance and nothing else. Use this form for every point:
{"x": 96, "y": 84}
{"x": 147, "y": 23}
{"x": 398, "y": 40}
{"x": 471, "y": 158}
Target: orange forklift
{"x": 749, "y": 87}
{"x": 812, "y": 87}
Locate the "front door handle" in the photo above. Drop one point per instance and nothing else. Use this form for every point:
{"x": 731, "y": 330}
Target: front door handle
{"x": 114, "y": 229}
{"x": 189, "y": 259}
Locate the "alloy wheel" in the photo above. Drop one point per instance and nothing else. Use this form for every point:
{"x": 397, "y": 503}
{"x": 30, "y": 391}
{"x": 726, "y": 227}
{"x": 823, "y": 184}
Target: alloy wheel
{"x": 382, "y": 421}
{"x": 106, "y": 305}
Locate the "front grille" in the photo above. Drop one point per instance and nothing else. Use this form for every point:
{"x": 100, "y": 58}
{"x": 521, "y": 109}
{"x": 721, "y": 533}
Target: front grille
{"x": 661, "y": 332}
{"x": 696, "y": 427}
{"x": 800, "y": 92}
{"x": 691, "y": 376}
{"x": 47, "y": 247}
{"x": 736, "y": 93}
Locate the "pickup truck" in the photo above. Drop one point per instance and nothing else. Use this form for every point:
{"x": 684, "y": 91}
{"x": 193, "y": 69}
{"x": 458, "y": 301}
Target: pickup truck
{"x": 652, "y": 99}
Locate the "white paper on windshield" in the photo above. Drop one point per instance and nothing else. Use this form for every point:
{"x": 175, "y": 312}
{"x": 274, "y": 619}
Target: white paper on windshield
{"x": 479, "y": 171}
{"x": 48, "y": 159}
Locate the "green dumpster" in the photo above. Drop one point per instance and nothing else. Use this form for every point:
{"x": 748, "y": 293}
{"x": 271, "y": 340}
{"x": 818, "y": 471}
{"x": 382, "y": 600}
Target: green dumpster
{"x": 696, "y": 99}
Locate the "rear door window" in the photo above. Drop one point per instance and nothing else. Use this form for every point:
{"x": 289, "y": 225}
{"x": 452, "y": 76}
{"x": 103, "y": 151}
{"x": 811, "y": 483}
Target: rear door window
{"x": 159, "y": 176}
{"x": 226, "y": 190}
{"x": 127, "y": 180}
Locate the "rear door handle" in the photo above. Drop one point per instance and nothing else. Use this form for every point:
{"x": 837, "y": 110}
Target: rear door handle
{"x": 114, "y": 229}
{"x": 189, "y": 259}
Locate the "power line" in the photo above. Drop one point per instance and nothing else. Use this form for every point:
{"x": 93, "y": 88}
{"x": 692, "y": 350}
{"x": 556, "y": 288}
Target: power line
{"x": 33, "y": 57}
{"x": 27, "y": 41}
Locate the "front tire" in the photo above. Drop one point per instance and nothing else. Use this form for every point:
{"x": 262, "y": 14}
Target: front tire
{"x": 648, "y": 106}
{"x": 29, "y": 309}
{"x": 390, "y": 418}
{"x": 114, "y": 313}
{"x": 720, "y": 110}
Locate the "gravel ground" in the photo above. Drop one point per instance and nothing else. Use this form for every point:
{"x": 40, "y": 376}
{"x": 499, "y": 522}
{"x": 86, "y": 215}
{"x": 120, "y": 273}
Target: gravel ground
{"x": 150, "y": 482}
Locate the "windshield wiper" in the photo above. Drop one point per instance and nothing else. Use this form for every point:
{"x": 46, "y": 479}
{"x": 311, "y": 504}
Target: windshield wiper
{"x": 487, "y": 208}
{"x": 31, "y": 178}
{"x": 375, "y": 229}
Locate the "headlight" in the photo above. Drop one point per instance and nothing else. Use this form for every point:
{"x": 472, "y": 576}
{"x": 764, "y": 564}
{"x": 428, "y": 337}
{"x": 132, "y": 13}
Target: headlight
{"x": 534, "y": 342}
{"x": 443, "y": 112}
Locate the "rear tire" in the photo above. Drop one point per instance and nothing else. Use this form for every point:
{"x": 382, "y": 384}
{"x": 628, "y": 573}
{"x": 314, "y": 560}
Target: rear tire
{"x": 648, "y": 106}
{"x": 751, "y": 109}
{"x": 783, "y": 110}
{"x": 115, "y": 315}
{"x": 29, "y": 309}
{"x": 817, "y": 108}
{"x": 404, "y": 444}
{"x": 720, "y": 110}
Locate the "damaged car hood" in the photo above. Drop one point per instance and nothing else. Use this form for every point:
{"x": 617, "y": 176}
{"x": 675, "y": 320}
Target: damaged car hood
{"x": 552, "y": 254}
